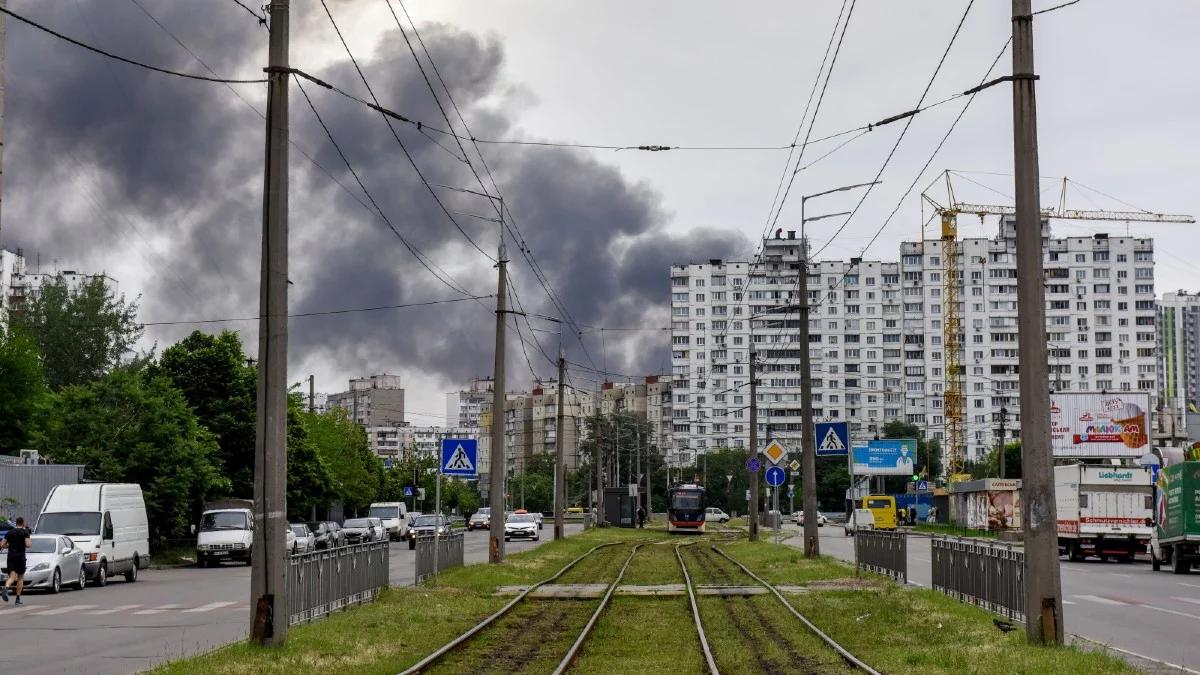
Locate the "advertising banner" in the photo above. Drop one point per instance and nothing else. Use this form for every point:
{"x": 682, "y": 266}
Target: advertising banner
{"x": 1100, "y": 425}
{"x": 886, "y": 457}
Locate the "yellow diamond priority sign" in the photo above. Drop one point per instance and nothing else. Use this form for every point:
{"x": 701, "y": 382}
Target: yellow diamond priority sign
{"x": 775, "y": 452}
{"x": 795, "y": 465}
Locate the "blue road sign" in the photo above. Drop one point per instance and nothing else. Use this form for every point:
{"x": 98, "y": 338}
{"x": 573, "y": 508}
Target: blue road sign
{"x": 459, "y": 457}
{"x": 923, "y": 486}
{"x": 408, "y": 490}
{"x": 753, "y": 464}
{"x": 791, "y": 492}
{"x": 387, "y": 463}
{"x": 775, "y": 476}
{"x": 833, "y": 439}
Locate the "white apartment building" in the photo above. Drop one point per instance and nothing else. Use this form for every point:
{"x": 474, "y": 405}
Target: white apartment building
{"x": 876, "y": 334}
{"x": 375, "y": 401}
{"x": 17, "y": 283}
{"x": 464, "y": 408}
{"x": 394, "y": 442}
{"x": 1179, "y": 350}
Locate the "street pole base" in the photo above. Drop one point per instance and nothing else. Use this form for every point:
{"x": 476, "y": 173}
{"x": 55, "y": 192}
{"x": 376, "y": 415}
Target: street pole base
{"x": 263, "y": 628}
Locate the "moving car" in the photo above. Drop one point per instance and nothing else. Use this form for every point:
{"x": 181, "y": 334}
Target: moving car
{"x": 52, "y": 561}
{"x": 361, "y": 530}
{"x": 425, "y": 525}
{"x": 537, "y": 514}
{"x": 225, "y": 534}
{"x": 304, "y": 540}
{"x": 798, "y": 518}
{"x": 394, "y": 516}
{"x": 524, "y": 525}
{"x": 714, "y": 514}
{"x": 107, "y": 521}
{"x": 1176, "y": 538}
{"x": 481, "y": 519}
{"x": 860, "y": 519}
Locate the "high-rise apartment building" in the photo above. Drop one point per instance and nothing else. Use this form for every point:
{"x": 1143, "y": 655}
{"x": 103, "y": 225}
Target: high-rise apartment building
{"x": 1179, "y": 350}
{"x": 876, "y": 336}
{"x": 18, "y": 284}
{"x": 463, "y": 408}
{"x": 375, "y": 401}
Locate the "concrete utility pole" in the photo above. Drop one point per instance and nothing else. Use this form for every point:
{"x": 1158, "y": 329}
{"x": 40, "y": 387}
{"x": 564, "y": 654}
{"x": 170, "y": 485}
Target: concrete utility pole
{"x": 312, "y": 394}
{"x": 808, "y": 446}
{"x": 753, "y": 440}
{"x": 560, "y": 464}
{"x": 3, "y": 67}
{"x": 1043, "y": 586}
{"x": 498, "y": 463}
{"x": 598, "y": 503}
{"x": 268, "y": 575}
{"x": 1003, "y": 420}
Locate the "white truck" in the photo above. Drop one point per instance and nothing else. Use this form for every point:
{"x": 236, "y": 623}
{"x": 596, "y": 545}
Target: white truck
{"x": 394, "y": 516}
{"x": 1103, "y": 511}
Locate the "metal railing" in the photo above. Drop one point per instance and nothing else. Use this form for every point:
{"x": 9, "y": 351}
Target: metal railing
{"x": 447, "y": 551}
{"x": 986, "y": 574}
{"x": 320, "y": 582}
{"x": 883, "y": 553}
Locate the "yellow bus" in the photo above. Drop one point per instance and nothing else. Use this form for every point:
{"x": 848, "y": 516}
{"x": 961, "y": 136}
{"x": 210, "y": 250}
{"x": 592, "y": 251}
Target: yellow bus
{"x": 883, "y": 508}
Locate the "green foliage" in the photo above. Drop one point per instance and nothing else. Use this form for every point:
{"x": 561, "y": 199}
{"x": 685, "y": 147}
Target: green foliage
{"x": 136, "y": 428}
{"x": 989, "y": 467}
{"x": 81, "y": 335}
{"x": 309, "y": 483}
{"x": 355, "y": 471}
{"x": 212, "y": 374}
{"x": 22, "y": 391}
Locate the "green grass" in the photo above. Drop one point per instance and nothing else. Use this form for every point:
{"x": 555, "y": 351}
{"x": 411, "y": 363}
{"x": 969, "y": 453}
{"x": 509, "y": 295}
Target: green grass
{"x": 954, "y": 530}
{"x": 174, "y": 557}
{"x": 654, "y": 564}
{"x": 553, "y": 625}
{"x": 643, "y": 635}
{"x": 751, "y": 635}
{"x": 785, "y": 564}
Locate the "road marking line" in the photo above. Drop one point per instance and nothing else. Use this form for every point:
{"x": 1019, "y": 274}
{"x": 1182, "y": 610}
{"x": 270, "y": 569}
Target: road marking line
{"x": 1068, "y": 602}
{"x": 1184, "y": 583}
{"x": 13, "y": 610}
{"x": 1194, "y": 601}
{"x": 1103, "y": 601}
{"x": 1151, "y": 659}
{"x": 114, "y": 610}
{"x": 61, "y": 610}
{"x": 210, "y": 606}
{"x": 157, "y": 610}
{"x": 922, "y": 559}
{"x": 1171, "y": 611}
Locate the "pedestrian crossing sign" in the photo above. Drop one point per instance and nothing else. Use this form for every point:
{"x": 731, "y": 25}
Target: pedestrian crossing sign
{"x": 459, "y": 457}
{"x": 775, "y": 452}
{"x": 833, "y": 439}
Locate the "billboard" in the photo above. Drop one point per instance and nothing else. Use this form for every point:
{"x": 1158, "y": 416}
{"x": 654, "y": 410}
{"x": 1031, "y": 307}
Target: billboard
{"x": 886, "y": 457}
{"x": 1100, "y": 425}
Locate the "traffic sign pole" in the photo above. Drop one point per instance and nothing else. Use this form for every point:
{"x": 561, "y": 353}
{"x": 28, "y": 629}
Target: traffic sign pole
{"x": 437, "y": 500}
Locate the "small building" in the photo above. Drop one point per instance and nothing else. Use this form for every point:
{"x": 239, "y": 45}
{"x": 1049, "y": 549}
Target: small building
{"x": 24, "y": 486}
{"x": 986, "y": 504}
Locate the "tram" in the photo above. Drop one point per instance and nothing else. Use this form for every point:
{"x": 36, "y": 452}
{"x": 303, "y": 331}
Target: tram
{"x": 685, "y": 512}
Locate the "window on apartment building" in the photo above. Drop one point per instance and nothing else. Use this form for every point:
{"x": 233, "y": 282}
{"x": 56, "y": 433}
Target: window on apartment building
{"x": 1080, "y": 257}
{"x": 699, "y": 283}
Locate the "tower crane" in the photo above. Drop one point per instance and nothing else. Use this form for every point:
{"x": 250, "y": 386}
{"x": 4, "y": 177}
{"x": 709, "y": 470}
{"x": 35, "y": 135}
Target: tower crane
{"x": 954, "y": 403}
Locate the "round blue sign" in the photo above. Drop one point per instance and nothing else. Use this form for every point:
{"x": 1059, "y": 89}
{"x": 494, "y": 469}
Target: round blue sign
{"x": 753, "y": 464}
{"x": 775, "y": 476}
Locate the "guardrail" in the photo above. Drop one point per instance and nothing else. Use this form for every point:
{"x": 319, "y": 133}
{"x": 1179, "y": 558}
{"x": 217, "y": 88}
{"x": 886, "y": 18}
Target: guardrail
{"x": 320, "y": 582}
{"x": 445, "y": 552}
{"x": 883, "y": 553}
{"x": 990, "y": 575}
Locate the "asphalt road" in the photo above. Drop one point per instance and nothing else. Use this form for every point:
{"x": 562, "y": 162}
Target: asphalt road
{"x": 1127, "y": 606}
{"x": 165, "y": 615}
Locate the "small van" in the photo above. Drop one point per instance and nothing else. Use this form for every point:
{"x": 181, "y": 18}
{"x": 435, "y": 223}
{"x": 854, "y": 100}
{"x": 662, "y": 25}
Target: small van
{"x": 883, "y": 509}
{"x": 225, "y": 534}
{"x": 713, "y": 513}
{"x": 394, "y": 516}
{"x": 105, "y": 520}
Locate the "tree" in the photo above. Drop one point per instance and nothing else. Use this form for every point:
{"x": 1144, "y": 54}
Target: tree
{"x": 22, "y": 390}
{"x": 130, "y": 427}
{"x": 80, "y": 334}
{"x": 309, "y": 484}
{"x": 989, "y": 467}
{"x": 355, "y": 471}
{"x": 212, "y": 373}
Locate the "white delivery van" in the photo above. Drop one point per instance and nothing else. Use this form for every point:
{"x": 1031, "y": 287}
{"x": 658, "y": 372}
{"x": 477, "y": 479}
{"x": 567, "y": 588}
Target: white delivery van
{"x": 106, "y": 520}
{"x": 1103, "y": 511}
{"x": 394, "y": 516}
{"x": 224, "y": 534}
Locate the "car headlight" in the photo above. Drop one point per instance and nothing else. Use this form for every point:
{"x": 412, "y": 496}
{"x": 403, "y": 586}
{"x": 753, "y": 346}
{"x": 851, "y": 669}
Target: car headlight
{"x": 92, "y": 557}
{"x": 239, "y": 545}
{"x": 40, "y": 566}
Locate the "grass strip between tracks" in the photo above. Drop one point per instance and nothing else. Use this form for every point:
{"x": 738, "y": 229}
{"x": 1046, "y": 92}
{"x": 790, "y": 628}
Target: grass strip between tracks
{"x": 892, "y": 628}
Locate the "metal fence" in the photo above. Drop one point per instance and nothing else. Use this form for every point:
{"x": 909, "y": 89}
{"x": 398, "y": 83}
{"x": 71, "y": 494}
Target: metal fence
{"x": 882, "y": 552}
{"x": 987, "y": 574}
{"x": 449, "y": 549}
{"x": 320, "y": 582}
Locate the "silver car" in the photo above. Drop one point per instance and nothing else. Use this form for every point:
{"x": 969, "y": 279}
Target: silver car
{"x": 304, "y": 541}
{"x": 52, "y": 562}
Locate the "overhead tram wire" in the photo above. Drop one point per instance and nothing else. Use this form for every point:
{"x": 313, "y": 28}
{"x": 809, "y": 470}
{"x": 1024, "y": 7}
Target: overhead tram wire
{"x": 907, "y": 123}
{"x": 261, "y": 19}
{"x": 330, "y": 312}
{"x": 387, "y": 119}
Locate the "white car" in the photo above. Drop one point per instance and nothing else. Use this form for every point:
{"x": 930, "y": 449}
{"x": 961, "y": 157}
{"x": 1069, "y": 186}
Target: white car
{"x": 714, "y": 514}
{"x": 860, "y": 519}
{"x": 798, "y": 518}
{"x": 300, "y": 539}
{"x": 523, "y": 525}
{"x": 225, "y": 534}
{"x": 53, "y": 561}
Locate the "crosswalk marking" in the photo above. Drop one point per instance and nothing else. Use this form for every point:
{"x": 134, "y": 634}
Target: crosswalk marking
{"x": 114, "y": 610}
{"x": 13, "y": 610}
{"x": 210, "y": 606}
{"x": 157, "y": 610}
{"x": 61, "y": 610}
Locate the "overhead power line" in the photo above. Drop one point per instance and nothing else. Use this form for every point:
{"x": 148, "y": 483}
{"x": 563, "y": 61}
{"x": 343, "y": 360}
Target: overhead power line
{"x": 122, "y": 59}
{"x": 330, "y": 312}
{"x": 261, "y": 19}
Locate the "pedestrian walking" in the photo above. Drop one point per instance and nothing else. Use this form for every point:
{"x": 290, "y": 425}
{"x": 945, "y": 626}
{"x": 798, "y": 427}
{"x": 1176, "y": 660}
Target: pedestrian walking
{"x": 17, "y": 541}
{"x": 641, "y": 516}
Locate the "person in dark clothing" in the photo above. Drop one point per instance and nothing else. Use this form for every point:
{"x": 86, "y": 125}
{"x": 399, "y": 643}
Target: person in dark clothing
{"x": 17, "y": 540}
{"x": 641, "y": 516}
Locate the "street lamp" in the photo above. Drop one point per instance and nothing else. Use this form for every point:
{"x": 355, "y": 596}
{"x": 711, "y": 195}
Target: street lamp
{"x": 808, "y": 448}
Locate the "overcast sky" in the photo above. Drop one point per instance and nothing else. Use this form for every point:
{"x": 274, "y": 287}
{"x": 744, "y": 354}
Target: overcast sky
{"x": 158, "y": 180}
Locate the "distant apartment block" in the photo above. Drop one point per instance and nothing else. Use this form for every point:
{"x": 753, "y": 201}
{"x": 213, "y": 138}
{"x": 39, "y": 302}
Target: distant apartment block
{"x": 375, "y": 401}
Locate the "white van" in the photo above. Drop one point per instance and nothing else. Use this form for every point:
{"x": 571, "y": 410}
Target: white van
{"x": 224, "y": 534}
{"x": 106, "y": 520}
{"x": 394, "y": 516}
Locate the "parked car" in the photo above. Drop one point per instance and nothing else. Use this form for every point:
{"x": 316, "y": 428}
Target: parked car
{"x": 321, "y": 534}
{"x": 337, "y": 537}
{"x": 360, "y": 530}
{"x": 305, "y": 539}
{"x": 394, "y": 517}
{"x": 425, "y": 525}
{"x": 860, "y": 519}
{"x": 107, "y": 521}
{"x": 225, "y": 534}
{"x": 481, "y": 519}
{"x": 524, "y": 525}
{"x": 798, "y": 518}
{"x": 714, "y": 514}
{"x": 51, "y": 562}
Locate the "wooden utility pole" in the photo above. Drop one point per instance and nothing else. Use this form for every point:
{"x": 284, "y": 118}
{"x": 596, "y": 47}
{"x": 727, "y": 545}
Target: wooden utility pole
{"x": 1043, "y": 586}
{"x": 560, "y": 464}
{"x": 268, "y": 575}
{"x": 753, "y": 475}
{"x": 499, "y": 465}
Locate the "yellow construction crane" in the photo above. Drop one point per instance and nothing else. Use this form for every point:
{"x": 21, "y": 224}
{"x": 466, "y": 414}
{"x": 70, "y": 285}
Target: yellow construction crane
{"x": 954, "y": 403}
